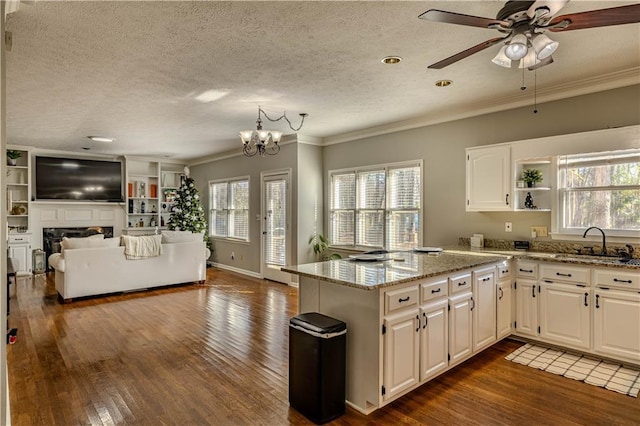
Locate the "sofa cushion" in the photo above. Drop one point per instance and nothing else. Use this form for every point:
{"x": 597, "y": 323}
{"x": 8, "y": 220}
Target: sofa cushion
{"x": 169, "y": 237}
{"x": 89, "y": 242}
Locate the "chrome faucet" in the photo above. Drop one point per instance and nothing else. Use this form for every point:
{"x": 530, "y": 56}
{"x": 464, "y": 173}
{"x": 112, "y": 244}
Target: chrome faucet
{"x": 604, "y": 239}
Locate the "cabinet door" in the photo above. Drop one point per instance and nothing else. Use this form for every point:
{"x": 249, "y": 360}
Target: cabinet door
{"x": 504, "y": 309}
{"x": 526, "y": 323}
{"x": 488, "y": 179}
{"x": 617, "y": 324}
{"x": 565, "y": 315}
{"x": 460, "y": 328}
{"x": 21, "y": 257}
{"x": 484, "y": 308}
{"x": 401, "y": 351}
{"x": 434, "y": 339}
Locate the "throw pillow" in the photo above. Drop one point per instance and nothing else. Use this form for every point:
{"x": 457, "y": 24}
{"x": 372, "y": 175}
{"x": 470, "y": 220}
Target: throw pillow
{"x": 170, "y": 237}
{"x": 74, "y": 243}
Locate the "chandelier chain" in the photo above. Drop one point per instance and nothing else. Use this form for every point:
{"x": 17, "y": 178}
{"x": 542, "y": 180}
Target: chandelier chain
{"x": 284, "y": 115}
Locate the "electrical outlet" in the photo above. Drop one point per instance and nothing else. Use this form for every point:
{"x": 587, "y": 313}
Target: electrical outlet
{"x": 508, "y": 227}
{"x": 541, "y": 231}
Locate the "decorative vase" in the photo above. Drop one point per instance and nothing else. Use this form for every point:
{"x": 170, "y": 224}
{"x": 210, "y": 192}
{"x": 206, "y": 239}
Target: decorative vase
{"x": 529, "y": 184}
{"x": 11, "y": 161}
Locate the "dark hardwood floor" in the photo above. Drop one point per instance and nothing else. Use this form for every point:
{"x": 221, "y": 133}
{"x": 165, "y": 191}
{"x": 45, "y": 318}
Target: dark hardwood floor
{"x": 217, "y": 354}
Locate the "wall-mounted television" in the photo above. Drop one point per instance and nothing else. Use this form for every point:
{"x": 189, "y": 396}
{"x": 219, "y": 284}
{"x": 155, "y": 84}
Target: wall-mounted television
{"x": 78, "y": 179}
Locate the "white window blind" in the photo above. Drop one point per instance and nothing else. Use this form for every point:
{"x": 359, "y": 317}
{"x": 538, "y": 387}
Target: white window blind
{"x": 377, "y": 207}
{"x": 275, "y": 244}
{"x": 601, "y": 189}
{"x": 229, "y": 210}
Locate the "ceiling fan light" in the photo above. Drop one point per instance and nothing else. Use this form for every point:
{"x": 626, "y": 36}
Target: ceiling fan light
{"x": 502, "y": 59}
{"x": 544, "y": 46}
{"x": 517, "y": 47}
{"x": 529, "y": 60}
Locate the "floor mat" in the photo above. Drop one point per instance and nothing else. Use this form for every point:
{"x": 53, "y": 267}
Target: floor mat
{"x": 590, "y": 370}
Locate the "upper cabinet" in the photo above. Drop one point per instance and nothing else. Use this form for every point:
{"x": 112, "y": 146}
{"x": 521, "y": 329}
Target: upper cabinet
{"x": 489, "y": 179}
{"x": 18, "y": 189}
{"x": 536, "y": 195}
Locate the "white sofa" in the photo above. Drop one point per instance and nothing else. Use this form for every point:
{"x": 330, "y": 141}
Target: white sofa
{"x": 92, "y": 271}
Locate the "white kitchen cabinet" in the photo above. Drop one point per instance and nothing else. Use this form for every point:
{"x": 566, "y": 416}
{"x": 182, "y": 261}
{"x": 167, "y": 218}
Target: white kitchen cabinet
{"x": 460, "y": 327}
{"x": 617, "y": 324}
{"x": 19, "y": 250}
{"x": 488, "y": 179}
{"x": 526, "y": 323}
{"x": 503, "y": 309}
{"x": 484, "y": 308}
{"x": 434, "y": 338}
{"x": 401, "y": 352}
{"x": 565, "y": 314}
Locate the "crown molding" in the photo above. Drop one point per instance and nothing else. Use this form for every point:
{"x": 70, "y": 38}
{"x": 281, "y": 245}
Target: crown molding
{"x": 610, "y": 81}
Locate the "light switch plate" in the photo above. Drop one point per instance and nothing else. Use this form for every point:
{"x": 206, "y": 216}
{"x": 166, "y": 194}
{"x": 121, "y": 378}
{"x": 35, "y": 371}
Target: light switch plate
{"x": 541, "y": 231}
{"x": 508, "y": 227}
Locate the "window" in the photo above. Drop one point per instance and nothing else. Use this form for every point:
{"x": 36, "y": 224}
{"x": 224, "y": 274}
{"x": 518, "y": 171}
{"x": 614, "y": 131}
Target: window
{"x": 229, "y": 209}
{"x": 377, "y": 207}
{"x": 600, "y": 189}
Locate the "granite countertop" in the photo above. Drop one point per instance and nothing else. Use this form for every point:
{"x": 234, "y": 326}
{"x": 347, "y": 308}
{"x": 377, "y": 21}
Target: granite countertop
{"x": 400, "y": 267}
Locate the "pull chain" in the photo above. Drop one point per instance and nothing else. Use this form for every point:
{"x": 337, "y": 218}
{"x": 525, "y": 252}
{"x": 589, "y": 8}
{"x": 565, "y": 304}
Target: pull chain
{"x": 535, "y": 90}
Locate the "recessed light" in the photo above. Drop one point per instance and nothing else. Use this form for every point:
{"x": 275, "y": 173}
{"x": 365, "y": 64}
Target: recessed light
{"x": 391, "y": 59}
{"x": 444, "y": 83}
{"x": 100, "y": 139}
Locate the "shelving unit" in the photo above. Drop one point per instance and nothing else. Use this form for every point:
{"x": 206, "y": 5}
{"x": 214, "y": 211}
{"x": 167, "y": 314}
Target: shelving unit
{"x": 540, "y": 192}
{"x": 150, "y": 185}
{"x": 19, "y": 193}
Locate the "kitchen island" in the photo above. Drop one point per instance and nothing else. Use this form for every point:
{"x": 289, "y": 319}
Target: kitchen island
{"x": 410, "y": 316}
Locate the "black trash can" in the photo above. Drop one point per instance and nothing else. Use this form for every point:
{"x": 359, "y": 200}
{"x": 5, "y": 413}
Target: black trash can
{"x": 317, "y": 366}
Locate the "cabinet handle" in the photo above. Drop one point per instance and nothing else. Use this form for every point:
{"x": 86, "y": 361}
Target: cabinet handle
{"x": 586, "y": 295}
{"x": 473, "y": 305}
{"x": 418, "y": 319}
{"x": 622, "y": 281}
{"x": 426, "y": 319}
{"x": 405, "y": 299}
{"x": 562, "y": 275}
{"x": 597, "y": 301}
{"x": 436, "y": 291}
{"x": 506, "y": 199}
{"x": 462, "y": 283}
{"x": 526, "y": 270}
{"x": 501, "y": 294}
{"x": 486, "y": 279}
{"x": 533, "y": 291}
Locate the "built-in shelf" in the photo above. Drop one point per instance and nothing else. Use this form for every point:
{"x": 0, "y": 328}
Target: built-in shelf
{"x": 540, "y": 192}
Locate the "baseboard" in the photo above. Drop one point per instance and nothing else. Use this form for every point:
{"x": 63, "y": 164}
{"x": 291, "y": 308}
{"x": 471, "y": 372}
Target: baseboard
{"x": 237, "y": 270}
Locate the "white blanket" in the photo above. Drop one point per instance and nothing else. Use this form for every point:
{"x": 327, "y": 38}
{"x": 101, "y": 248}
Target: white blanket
{"x": 142, "y": 247}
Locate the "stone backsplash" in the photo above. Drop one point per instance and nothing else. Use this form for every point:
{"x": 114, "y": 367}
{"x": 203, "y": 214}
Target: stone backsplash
{"x": 554, "y": 246}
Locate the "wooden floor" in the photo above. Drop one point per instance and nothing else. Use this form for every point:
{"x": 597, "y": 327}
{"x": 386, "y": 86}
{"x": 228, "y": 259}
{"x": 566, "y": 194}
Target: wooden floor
{"x": 217, "y": 355}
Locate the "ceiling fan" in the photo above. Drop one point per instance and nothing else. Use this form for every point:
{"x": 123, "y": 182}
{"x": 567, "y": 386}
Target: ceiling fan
{"x": 523, "y": 24}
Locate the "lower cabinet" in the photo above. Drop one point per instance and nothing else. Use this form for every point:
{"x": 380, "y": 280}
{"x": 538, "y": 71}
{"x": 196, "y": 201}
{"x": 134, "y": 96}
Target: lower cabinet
{"x": 565, "y": 315}
{"x": 460, "y": 327}
{"x": 401, "y": 352}
{"x": 503, "y": 309}
{"x": 617, "y": 324}
{"x": 19, "y": 250}
{"x": 526, "y": 322}
{"x": 484, "y": 308}
{"x": 434, "y": 337}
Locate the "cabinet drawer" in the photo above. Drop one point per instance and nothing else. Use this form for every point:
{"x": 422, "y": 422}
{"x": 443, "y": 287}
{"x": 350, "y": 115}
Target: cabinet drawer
{"x": 504, "y": 270}
{"x": 570, "y": 274}
{"x": 527, "y": 270}
{"x": 434, "y": 289}
{"x": 18, "y": 239}
{"x": 395, "y": 300}
{"x": 460, "y": 283}
{"x": 617, "y": 278}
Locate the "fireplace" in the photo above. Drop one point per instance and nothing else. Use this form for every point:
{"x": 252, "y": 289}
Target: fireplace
{"x": 51, "y": 237}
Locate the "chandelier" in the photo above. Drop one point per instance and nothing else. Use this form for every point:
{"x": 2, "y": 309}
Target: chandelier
{"x": 265, "y": 142}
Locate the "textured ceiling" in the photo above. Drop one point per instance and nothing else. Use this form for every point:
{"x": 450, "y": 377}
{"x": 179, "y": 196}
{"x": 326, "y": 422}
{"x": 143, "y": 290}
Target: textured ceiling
{"x": 134, "y": 70}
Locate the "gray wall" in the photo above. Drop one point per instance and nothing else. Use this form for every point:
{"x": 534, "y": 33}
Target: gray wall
{"x": 442, "y": 147}
{"x": 310, "y": 200}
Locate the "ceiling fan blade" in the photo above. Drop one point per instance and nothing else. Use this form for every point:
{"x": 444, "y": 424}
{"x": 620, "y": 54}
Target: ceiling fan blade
{"x": 597, "y": 18}
{"x": 458, "y": 56}
{"x": 541, "y": 64}
{"x": 461, "y": 19}
{"x": 554, "y": 7}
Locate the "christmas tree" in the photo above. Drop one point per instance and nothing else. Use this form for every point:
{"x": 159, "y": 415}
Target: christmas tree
{"x": 188, "y": 213}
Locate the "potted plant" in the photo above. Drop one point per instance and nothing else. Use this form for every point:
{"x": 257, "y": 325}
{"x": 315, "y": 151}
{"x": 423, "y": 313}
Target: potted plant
{"x": 320, "y": 244}
{"x": 531, "y": 176}
{"x": 12, "y": 156}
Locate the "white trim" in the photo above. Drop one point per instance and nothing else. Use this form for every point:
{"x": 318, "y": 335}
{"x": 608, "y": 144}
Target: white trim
{"x": 237, "y": 270}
